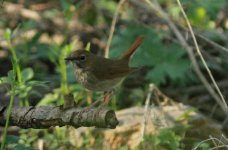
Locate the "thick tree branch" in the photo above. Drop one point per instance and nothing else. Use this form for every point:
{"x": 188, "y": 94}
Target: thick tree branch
{"x": 47, "y": 116}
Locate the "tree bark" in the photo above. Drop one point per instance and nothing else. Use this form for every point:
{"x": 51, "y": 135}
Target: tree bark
{"x": 47, "y": 116}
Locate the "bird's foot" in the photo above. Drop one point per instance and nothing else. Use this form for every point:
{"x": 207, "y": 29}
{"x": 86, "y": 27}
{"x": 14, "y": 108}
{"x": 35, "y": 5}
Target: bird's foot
{"x": 102, "y": 101}
{"x": 106, "y": 99}
{"x": 93, "y": 105}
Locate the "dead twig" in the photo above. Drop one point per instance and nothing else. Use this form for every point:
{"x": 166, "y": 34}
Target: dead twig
{"x": 146, "y": 112}
{"x": 189, "y": 50}
{"x": 202, "y": 59}
{"x": 112, "y": 29}
{"x": 216, "y": 45}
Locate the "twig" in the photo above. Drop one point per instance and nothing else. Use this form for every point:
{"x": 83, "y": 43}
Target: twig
{"x": 191, "y": 55}
{"x": 201, "y": 56}
{"x": 114, "y": 19}
{"x": 201, "y": 36}
{"x": 151, "y": 88}
{"x": 200, "y": 143}
{"x": 201, "y": 88}
{"x": 212, "y": 42}
{"x": 214, "y": 140}
{"x": 47, "y": 116}
{"x": 218, "y": 147}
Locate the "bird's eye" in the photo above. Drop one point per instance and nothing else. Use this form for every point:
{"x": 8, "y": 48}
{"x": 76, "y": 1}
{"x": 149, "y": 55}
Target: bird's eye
{"x": 82, "y": 57}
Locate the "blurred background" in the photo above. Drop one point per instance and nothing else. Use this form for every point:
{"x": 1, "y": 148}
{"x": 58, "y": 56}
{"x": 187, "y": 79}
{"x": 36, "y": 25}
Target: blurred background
{"x": 40, "y": 34}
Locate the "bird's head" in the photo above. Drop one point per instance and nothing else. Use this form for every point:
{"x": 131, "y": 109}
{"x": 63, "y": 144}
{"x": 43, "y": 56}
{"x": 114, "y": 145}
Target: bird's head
{"x": 80, "y": 58}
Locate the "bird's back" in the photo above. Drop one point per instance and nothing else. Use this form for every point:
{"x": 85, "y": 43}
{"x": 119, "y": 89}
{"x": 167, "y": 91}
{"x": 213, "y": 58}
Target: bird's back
{"x": 106, "y": 69}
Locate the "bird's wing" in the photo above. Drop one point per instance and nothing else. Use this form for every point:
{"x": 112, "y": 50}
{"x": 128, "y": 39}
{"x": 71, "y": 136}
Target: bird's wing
{"x": 106, "y": 69}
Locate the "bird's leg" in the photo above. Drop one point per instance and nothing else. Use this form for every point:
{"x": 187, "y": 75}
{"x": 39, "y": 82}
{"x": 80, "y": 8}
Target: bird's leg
{"x": 105, "y": 99}
{"x": 95, "y": 103}
{"x": 107, "y": 96}
{"x": 100, "y": 99}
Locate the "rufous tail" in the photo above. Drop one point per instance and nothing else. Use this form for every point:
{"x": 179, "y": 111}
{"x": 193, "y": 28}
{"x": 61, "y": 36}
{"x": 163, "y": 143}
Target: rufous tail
{"x": 133, "y": 47}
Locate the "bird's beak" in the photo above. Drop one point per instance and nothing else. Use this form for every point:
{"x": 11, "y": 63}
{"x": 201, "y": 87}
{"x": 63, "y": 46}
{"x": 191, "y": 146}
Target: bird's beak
{"x": 72, "y": 59}
{"x": 67, "y": 59}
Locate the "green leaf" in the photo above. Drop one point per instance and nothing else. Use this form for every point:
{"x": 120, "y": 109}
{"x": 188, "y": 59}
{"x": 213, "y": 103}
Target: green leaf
{"x": 169, "y": 138}
{"x": 91, "y": 17}
{"x": 4, "y": 80}
{"x": 12, "y": 139}
{"x": 12, "y": 143}
{"x": 39, "y": 83}
{"x": 67, "y": 49}
{"x": 88, "y": 47}
{"x": 7, "y": 34}
{"x": 27, "y": 74}
{"x": 175, "y": 69}
{"x": 11, "y": 77}
{"x": 167, "y": 60}
{"x": 203, "y": 146}
{"x": 22, "y": 147}
{"x": 48, "y": 99}
{"x": 107, "y": 4}
{"x": 157, "y": 75}
{"x": 65, "y": 5}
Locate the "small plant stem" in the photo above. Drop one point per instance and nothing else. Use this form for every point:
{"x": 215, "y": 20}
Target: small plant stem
{"x": 64, "y": 79}
{"x": 18, "y": 70}
{"x": 63, "y": 74}
{"x": 15, "y": 62}
{"x": 8, "y": 117}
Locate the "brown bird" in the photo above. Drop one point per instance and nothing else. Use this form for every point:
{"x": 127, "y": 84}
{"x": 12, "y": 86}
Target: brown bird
{"x": 97, "y": 73}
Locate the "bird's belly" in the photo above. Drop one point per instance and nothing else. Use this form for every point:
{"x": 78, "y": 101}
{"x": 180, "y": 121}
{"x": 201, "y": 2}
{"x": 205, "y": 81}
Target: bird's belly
{"x": 90, "y": 82}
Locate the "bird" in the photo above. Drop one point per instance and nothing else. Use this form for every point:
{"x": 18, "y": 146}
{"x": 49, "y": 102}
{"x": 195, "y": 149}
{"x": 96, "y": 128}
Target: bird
{"x": 97, "y": 73}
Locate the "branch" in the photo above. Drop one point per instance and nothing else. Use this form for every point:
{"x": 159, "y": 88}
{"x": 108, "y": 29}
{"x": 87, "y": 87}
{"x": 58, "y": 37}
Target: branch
{"x": 47, "y": 116}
